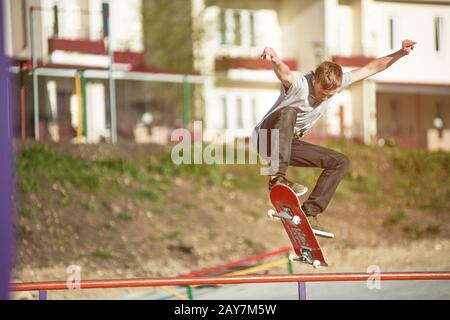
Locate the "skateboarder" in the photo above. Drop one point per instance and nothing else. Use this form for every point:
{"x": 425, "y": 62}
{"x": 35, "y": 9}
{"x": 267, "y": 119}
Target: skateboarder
{"x": 304, "y": 98}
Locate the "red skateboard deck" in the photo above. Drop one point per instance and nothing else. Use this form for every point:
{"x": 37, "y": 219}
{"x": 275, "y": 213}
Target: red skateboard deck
{"x": 303, "y": 240}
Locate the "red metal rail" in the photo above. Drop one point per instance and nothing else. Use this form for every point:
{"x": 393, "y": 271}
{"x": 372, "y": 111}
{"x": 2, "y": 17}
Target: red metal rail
{"x": 321, "y": 277}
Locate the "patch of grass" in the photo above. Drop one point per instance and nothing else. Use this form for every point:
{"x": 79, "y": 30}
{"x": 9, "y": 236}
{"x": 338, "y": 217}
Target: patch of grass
{"x": 148, "y": 194}
{"x": 215, "y": 174}
{"x": 164, "y": 166}
{"x": 101, "y": 254}
{"x": 415, "y": 232}
{"x": 179, "y": 211}
{"x": 394, "y": 219}
{"x": 210, "y": 200}
{"x": 364, "y": 182}
{"x": 176, "y": 235}
{"x": 119, "y": 166}
{"x": 159, "y": 206}
{"x": 26, "y": 213}
{"x": 368, "y": 185}
{"x": 305, "y": 176}
{"x": 63, "y": 201}
{"x": 249, "y": 242}
{"x": 91, "y": 207}
{"x": 255, "y": 247}
{"x": 125, "y": 216}
{"x": 437, "y": 201}
{"x": 433, "y": 229}
{"x": 189, "y": 206}
{"x": 425, "y": 181}
{"x": 116, "y": 187}
{"x": 38, "y": 162}
{"x": 111, "y": 225}
{"x": 420, "y": 162}
{"x": 154, "y": 197}
{"x": 244, "y": 178}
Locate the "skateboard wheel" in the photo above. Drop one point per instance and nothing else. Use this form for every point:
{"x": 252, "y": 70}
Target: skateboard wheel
{"x": 270, "y": 213}
{"x": 296, "y": 220}
{"x": 316, "y": 264}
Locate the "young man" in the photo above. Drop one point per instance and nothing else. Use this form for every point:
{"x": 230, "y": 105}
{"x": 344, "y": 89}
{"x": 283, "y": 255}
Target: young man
{"x": 303, "y": 100}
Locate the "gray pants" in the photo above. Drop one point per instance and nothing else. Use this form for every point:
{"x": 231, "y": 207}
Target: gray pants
{"x": 299, "y": 153}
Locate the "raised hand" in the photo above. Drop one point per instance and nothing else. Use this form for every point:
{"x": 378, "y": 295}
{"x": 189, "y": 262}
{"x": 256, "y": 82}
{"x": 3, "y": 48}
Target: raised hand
{"x": 408, "y": 46}
{"x": 269, "y": 54}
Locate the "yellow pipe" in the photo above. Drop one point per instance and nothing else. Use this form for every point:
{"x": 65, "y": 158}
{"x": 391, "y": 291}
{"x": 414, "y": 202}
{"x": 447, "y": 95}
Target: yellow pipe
{"x": 240, "y": 272}
{"x": 255, "y": 269}
{"x": 174, "y": 293}
{"x": 259, "y": 268}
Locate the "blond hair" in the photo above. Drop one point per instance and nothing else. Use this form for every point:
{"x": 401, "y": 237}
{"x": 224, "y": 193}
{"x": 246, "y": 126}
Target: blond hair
{"x": 329, "y": 75}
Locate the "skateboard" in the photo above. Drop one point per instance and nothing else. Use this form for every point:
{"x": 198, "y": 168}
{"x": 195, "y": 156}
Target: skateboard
{"x": 296, "y": 224}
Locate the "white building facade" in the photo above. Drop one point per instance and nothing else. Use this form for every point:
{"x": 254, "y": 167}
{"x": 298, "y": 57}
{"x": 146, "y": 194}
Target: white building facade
{"x": 408, "y": 104}
{"x": 69, "y": 35}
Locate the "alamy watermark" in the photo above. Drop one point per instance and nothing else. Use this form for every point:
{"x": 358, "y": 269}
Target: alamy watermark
{"x": 73, "y": 281}
{"x": 374, "y": 280}
{"x": 191, "y": 149}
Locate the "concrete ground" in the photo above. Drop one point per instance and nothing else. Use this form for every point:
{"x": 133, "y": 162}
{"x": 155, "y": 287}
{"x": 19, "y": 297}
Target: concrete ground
{"x": 402, "y": 290}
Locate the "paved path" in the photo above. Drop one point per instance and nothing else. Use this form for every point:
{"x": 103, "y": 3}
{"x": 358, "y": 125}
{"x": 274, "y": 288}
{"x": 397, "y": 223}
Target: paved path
{"x": 314, "y": 290}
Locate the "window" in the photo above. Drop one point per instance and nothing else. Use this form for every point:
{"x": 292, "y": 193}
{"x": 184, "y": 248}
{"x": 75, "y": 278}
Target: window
{"x": 224, "y": 113}
{"x": 391, "y": 33}
{"x": 237, "y": 28}
{"x": 223, "y": 27}
{"x": 240, "y": 116}
{"x": 254, "y": 112}
{"x": 438, "y": 121}
{"x": 438, "y": 33}
{"x": 252, "y": 30}
{"x": 395, "y": 130}
{"x": 24, "y": 24}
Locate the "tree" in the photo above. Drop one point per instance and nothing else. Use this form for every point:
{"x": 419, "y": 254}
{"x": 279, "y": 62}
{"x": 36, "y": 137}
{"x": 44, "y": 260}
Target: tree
{"x": 169, "y": 34}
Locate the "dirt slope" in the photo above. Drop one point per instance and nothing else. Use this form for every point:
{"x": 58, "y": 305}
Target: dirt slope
{"x": 125, "y": 215}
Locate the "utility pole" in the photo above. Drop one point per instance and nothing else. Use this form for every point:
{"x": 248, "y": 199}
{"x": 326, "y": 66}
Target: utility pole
{"x": 35, "y": 76}
{"x": 6, "y": 173}
{"x": 112, "y": 84}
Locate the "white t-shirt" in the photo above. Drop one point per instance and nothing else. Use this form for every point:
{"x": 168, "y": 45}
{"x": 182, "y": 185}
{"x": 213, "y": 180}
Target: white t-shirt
{"x": 299, "y": 95}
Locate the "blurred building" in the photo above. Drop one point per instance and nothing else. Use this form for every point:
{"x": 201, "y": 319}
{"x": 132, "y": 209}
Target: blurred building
{"x": 408, "y": 104}
{"x": 71, "y": 35}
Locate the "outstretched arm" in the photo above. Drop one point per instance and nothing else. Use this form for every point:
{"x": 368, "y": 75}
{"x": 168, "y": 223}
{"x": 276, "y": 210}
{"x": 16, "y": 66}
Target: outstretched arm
{"x": 380, "y": 64}
{"x": 279, "y": 67}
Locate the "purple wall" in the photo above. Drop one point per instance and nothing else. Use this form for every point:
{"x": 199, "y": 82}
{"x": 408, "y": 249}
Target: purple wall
{"x": 6, "y": 172}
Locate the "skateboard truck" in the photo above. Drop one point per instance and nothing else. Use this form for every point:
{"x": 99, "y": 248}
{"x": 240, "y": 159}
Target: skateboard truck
{"x": 305, "y": 257}
{"x": 286, "y": 214}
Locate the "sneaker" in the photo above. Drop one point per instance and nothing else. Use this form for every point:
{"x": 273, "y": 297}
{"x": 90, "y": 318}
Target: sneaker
{"x": 298, "y": 188}
{"x": 318, "y": 229}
